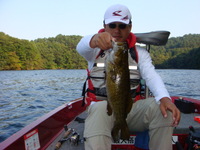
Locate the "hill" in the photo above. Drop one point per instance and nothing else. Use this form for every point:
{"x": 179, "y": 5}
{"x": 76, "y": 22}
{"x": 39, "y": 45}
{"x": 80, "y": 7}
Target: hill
{"x": 48, "y": 53}
{"x": 178, "y": 53}
{"x": 60, "y": 53}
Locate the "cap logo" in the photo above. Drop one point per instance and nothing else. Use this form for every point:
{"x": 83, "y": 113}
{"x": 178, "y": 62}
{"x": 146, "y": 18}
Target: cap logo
{"x": 125, "y": 18}
{"x": 116, "y": 13}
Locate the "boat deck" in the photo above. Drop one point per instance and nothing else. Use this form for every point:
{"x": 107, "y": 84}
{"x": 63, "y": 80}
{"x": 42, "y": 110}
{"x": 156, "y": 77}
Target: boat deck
{"x": 183, "y": 128}
{"x": 78, "y": 127}
{"x": 187, "y": 120}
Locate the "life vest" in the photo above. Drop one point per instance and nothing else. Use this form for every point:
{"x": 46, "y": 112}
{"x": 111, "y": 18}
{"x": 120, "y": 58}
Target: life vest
{"x": 96, "y": 87}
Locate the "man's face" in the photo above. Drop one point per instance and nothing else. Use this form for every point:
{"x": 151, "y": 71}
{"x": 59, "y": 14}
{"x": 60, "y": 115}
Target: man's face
{"x": 118, "y": 30}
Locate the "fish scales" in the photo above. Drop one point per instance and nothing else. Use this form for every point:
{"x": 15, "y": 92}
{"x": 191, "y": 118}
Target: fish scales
{"x": 118, "y": 89}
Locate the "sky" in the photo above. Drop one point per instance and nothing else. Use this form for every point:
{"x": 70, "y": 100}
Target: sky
{"x": 33, "y": 19}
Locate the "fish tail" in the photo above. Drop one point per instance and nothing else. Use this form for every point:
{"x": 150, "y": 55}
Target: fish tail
{"x": 125, "y": 133}
{"x": 115, "y": 132}
{"x": 120, "y": 132}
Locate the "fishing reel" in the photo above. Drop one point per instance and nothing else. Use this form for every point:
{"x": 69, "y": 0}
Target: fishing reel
{"x": 193, "y": 140}
{"x": 72, "y": 136}
{"x": 74, "y": 139}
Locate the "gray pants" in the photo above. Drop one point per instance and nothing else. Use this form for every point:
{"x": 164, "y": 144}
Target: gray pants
{"x": 144, "y": 115}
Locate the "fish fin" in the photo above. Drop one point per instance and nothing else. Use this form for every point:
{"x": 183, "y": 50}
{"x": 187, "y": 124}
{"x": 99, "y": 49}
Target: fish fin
{"x": 109, "y": 109}
{"x": 129, "y": 106}
{"x": 105, "y": 77}
{"x": 125, "y": 133}
{"x": 115, "y": 132}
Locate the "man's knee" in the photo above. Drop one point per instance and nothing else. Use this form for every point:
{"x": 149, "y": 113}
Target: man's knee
{"x": 157, "y": 118}
{"x": 98, "y": 106}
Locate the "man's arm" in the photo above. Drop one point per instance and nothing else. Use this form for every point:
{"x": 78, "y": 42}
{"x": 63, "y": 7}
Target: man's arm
{"x": 157, "y": 87}
{"x": 152, "y": 78}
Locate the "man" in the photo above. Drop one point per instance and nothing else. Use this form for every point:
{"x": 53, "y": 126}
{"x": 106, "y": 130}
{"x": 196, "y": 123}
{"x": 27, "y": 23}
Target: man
{"x": 158, "y": 115}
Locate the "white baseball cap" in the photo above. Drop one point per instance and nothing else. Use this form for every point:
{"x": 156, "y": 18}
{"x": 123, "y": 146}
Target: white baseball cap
{"x": 117, "y": 13}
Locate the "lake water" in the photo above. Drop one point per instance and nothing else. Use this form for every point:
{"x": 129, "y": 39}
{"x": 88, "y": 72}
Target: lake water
{"x": 26, "y": 95}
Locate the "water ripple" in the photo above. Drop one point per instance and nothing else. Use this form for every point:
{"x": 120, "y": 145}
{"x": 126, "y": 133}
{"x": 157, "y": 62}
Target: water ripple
{"x": 26, "y": 95}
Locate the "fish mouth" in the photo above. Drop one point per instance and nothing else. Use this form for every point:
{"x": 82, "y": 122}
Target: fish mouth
{"x": 117, "y": 38}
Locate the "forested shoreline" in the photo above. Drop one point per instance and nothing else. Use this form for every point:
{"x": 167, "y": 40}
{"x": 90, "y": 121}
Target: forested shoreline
{"x": 179, "y": 53}
{"x": 60, "y": 53}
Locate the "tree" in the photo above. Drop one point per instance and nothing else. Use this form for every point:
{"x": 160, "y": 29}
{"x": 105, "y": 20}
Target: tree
{"x": 60, "y": 53}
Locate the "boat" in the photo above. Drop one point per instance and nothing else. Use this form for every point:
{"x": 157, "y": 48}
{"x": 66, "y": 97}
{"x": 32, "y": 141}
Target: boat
{"x": 48, "y": 132}
{"x": 63, "y": 127}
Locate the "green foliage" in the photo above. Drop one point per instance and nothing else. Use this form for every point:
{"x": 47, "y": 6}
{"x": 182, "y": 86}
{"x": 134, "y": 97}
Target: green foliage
{"x": 60, "y": 53}
{"x": 178, "y": 53}
{"x": 52, "y": 53}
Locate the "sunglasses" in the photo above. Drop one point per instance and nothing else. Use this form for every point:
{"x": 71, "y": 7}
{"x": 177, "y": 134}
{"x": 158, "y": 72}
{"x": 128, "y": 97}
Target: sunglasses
{"x": 120, "y": 26}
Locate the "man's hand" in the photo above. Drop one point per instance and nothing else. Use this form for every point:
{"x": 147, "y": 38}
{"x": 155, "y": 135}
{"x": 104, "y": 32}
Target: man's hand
{"x": 166, "y": 104}
{"x": 102, "y": 41}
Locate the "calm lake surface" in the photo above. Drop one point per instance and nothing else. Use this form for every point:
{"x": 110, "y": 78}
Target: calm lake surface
{"x": 27, "y": 95}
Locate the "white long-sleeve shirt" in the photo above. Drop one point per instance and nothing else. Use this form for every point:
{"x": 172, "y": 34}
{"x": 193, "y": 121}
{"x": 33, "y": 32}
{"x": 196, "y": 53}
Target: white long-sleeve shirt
{"x": 147, "y": 69}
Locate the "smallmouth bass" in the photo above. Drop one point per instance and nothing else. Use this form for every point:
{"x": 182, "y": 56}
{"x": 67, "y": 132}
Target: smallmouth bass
{"x": 118, "y": 89}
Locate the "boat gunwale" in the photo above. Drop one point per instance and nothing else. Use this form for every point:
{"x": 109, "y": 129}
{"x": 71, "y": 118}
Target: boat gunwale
{"x": 18, "y": 137}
